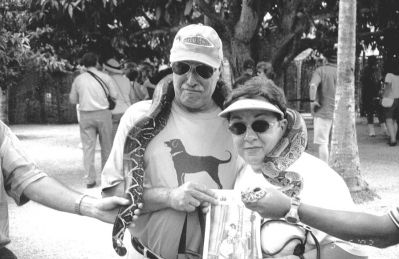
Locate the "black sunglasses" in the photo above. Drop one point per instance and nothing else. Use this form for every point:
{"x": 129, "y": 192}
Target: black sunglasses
{"x": 259, "y": 126}
{"x": 204, "y": 71}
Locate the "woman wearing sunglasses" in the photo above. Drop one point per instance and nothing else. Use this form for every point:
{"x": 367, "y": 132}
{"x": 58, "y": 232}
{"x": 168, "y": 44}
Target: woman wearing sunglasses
{"x": 272, "y": 138}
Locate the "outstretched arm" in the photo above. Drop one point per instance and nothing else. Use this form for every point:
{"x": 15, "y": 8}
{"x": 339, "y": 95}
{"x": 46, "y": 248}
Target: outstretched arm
{"x": 358, "y": 227}
{"x": 51, "y": 193}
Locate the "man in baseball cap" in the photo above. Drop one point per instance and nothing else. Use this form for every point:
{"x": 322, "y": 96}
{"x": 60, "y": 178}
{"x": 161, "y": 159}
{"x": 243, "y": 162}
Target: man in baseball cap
{"x": 196, "y": 58}
{"x": 193, "y": 154}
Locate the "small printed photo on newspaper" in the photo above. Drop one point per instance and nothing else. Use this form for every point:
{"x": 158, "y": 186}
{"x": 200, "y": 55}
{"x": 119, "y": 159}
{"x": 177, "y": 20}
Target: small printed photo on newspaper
{"x": 231, "y": 230}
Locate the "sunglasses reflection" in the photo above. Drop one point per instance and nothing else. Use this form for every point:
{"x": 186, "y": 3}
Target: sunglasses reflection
{"x": 204, "y": 71}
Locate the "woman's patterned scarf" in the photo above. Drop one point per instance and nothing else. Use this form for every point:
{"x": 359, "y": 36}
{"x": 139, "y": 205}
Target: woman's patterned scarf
{"x": 285, "y": 153}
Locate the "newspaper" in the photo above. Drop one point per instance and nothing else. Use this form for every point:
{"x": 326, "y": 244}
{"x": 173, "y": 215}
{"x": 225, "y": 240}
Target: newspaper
{"x": 231, "y": 231}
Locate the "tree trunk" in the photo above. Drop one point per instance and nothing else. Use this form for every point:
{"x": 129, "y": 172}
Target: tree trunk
{"x": 239, "y": 52}
{"x": 227, "y": 76}
{"x": 344, "y": 149}
{"x": 4, "y": 105}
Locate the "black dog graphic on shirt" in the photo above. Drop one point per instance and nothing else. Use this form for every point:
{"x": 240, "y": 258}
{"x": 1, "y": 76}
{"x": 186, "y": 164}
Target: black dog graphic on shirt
{"x": 187, "y": 164}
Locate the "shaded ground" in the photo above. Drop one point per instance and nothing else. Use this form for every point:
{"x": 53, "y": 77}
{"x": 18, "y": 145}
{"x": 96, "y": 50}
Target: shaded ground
{"x": 38, "y": 232}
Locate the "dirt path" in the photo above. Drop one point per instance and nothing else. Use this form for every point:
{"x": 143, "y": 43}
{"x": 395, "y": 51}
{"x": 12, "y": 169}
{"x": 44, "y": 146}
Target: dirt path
{"x": 41, "y": 233}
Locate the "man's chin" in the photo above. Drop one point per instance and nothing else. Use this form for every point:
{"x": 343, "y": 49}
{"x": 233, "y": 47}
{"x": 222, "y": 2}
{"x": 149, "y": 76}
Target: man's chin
{"x": 191, "y": 105}
{"x": 191, "y": 102}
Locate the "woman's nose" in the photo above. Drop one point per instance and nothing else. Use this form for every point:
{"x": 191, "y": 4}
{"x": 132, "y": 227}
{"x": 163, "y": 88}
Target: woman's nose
{"x": 250, "y": 134}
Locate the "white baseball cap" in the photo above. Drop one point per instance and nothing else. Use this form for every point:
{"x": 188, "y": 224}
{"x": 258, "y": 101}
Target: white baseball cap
{"x": 197, "y": 42}
{"x": 250, "y": 104}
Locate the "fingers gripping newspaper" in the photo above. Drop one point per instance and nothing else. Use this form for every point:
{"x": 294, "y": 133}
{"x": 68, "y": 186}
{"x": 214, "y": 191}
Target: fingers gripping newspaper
{"x": 232, "y": 231}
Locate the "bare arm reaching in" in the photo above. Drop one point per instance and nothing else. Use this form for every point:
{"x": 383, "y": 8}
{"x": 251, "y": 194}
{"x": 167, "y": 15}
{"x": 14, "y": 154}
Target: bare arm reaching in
{"x": 358, "y": 227}
{"x": 51, "y": 193}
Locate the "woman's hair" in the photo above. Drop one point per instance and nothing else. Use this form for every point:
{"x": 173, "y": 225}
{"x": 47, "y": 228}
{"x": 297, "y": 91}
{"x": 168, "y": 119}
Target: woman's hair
{"x": 257, "y": 87}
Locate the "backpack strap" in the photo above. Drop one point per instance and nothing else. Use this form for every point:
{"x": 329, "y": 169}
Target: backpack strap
{"x": 101, "y": 82}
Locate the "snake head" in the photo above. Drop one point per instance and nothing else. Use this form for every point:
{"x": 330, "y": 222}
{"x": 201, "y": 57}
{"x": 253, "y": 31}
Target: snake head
{"x": 252, "y": 195}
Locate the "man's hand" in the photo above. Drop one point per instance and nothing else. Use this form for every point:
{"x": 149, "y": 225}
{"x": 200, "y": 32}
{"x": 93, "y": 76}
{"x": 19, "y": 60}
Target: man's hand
{"x": 274, "y": 204}
{"x": 189, "y": 196}
{"x": 314, "y": 107}
{"x": 106, "y": 209}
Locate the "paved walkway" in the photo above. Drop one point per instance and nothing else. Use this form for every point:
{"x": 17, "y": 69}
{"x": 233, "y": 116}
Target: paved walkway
{"x": 41, "y": 233}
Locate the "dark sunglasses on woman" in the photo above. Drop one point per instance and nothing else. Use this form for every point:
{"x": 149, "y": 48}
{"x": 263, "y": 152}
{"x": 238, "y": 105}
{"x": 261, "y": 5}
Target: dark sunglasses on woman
{"x": 259, "y": 126}
{"x": 204, "y": 71}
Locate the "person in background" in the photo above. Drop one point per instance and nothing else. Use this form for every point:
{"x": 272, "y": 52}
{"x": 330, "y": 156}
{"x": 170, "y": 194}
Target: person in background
{"x": 391, "y": 90}
{"x": 322, "y": 97}
{"x": 248, "y": 72}
{"x": 370, "y": 93}
{"x": 359, "y": 227}
{"x": 265, "y": 69}
{"x": 125, "y": 96}
{"x": 95, "y": 117}
{"x": 191, "y": 155}
{"x": 271, "y": 139}
{"x": 140, "y": 92}
{"x": 23, "y": 181}
{"x": 146, "y": 72}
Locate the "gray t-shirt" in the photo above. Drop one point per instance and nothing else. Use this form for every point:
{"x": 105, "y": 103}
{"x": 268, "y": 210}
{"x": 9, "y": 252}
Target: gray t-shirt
{"x": 325, "y": 80}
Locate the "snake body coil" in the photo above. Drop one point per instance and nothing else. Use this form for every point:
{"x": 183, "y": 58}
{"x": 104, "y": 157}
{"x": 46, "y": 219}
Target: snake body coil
{"x": 136, "y": 142}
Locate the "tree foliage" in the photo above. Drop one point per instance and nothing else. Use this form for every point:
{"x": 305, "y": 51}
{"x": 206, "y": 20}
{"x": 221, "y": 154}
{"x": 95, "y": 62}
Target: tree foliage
{"x": 14, "y": 42}
{"x": 60, "y": 31}
{"x": 274, "y": 30}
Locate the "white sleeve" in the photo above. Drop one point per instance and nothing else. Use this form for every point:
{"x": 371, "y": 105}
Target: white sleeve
{"x": 112, "y": 173}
